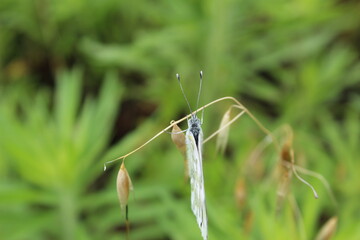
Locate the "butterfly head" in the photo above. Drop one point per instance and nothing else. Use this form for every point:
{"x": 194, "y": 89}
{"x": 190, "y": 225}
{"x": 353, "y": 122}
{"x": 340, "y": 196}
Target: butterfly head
{"x": 194, "y": 127}
{"x": 194, "y": 121}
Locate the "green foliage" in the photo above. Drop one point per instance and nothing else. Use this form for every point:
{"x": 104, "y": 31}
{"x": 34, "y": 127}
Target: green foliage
{"x": 50, "y": 156}
{"x": 290, "y": 62}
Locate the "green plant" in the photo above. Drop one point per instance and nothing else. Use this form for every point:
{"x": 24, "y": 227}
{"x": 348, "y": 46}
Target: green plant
{"x": 51, "y": 154}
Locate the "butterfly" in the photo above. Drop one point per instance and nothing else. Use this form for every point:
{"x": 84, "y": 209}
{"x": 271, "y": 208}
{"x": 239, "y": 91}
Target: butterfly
{"x": 194, "y": 140}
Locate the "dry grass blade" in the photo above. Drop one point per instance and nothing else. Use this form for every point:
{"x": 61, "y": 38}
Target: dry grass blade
{"x": 223, "y": 135}
{"x": 327, "y": 230}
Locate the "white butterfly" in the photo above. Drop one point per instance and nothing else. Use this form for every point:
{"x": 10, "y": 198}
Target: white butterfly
{"x": 194, "y": 139}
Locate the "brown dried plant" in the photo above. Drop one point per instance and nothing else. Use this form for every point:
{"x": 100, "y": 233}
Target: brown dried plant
{"x": 286, "y": 167}
{"x": 178, "y": 138}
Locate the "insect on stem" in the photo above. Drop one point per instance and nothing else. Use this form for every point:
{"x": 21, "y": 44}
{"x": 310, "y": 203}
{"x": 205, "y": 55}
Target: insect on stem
{"x": 238, "y": 105}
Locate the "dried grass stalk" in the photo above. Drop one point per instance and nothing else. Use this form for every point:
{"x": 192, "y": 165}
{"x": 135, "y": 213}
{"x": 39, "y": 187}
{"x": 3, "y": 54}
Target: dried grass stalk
{"x": 287, "y": 168}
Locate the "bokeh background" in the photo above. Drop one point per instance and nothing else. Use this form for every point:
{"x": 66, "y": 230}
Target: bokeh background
{"x": 85, "y": 81}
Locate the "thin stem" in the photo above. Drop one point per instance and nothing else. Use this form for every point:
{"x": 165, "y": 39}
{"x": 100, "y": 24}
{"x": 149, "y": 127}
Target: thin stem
{"x": 168, "y": 127}
{"x": 127, "y": 223}
{"x": 226, "y": 125}
{"x": 298, "y": 176}
{"x": 260, "y": 147}
{"x": 264, "y": 129}
{"x": 238, "y": 105}
{"x": 321, "y": 178}
{"x": 305, "y": 182}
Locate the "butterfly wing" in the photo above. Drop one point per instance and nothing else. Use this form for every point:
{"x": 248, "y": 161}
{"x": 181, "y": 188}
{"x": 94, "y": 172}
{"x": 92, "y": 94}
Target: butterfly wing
{"x": 194, "y": 155}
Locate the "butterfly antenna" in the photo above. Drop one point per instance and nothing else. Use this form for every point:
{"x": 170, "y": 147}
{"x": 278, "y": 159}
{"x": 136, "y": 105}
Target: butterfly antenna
{"x": 198, "y": 98}
{"x": 182, "y": 90}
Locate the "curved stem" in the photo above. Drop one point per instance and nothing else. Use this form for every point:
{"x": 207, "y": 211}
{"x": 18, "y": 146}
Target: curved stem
{"x": 238, "y": 105}
{"x": 321, "y": 178}
{"x": 264, "y": 129}
{"x": 226, "y": 125}
{"x": 292, "y": 165}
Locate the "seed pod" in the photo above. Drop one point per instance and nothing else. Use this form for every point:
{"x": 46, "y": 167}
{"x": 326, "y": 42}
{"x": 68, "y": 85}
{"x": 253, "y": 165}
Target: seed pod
{"x": 223, "y": 135}
{"x": 178, "y": 137}
{"x": 327, "y": 229}
{"x": 123, "y": 185}
{"x": 286, "y": 152}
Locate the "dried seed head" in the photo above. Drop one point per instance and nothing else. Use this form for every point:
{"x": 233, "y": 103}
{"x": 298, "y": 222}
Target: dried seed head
{"x": 123, "y": 185}
{"x": 327, "y": 229}
{"x": 288, "y": 160}
{"x": 287, "y": 151}
{"x": 178, "y": 137}
{"x": 223, "y": 135}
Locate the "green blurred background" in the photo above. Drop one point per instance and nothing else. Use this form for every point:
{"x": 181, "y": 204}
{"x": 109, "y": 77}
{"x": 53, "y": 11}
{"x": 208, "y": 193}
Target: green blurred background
{"x": 85, "y": 81}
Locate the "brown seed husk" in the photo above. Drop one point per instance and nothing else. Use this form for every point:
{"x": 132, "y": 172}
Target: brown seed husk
{"x": 123, "y": 185}
{"x": 178, "y": 138}
{"x": 327, "y": 230}
{"x": 223, "y": 135}
{"x": 287, "y": 151}
{"x": 285, "y": 171}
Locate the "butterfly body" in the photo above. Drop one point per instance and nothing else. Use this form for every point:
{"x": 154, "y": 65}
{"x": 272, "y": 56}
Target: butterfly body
{"x": 194, "y": 139}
